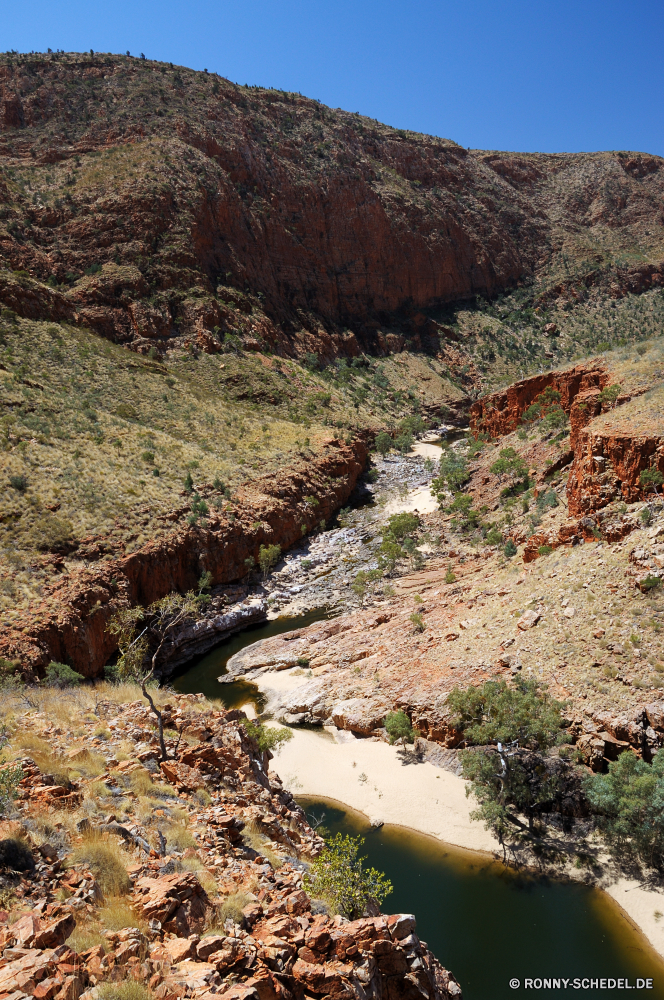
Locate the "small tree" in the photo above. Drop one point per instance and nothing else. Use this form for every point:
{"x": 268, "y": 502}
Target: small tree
{"x": 271, "y": 738}
{"x": 418, "y": 621}
{"x": 398, "y": 727}
{"x": 338, "y": 875}
{"x": 609, "y": 394}
{"x": 510, "y": 464}
{"x": 268, "y": 556}
{"x": 504, "y": 721}
{"x": 383, "y": 443}
{"x": 61, "y": 675}
{"x": 651, "y": 479}
{"x": 453, "y": 472}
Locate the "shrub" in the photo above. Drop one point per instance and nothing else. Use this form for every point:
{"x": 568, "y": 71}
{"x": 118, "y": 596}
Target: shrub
{"x": 129, "y": 989}
{"x": 449, "y": 576}
{"x": 398, "y": 727}
{"x": 404, "y": 443}
{"x": 268, "y": 556}
{"x": 267, "y": 738}
{"x": 494, "y": 536}
{"x": 19, "y": 483}
{"x": 651, "y": 479}
{"x": 383, "y": 442}
{"x": 516, "y": 720}
{"x": 60, "y": 675}
{"x": 302, "y": 661}
{"x": 510, "y": 549}
{"x": 509, "y": 463}
{"x": 418, "y": 621}
{"x": 338, "y": 876}
{"x": 401, "y": 525}
{"x": 544, "y": 550}
{"x": 453, "y": 471}
{"x": 628, "y": 803}
{"x": 232, "y": 907}
{"x": 610, "y": 394}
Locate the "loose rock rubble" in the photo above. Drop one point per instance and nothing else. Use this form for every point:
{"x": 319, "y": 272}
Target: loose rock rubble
{"x": 272, "y": 943}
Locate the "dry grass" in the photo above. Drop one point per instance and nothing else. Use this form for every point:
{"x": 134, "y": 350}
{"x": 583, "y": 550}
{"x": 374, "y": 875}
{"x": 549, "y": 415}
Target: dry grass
{"x": 107, "y": 861}
{"x": 127, "y": 990}
{"x": 253, "y": 836}
{"x": 204, "y": 876}
{"x": 231, "y": 908}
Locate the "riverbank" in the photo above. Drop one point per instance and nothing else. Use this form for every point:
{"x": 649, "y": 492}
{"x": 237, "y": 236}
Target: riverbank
{"x": 386, "y": 784}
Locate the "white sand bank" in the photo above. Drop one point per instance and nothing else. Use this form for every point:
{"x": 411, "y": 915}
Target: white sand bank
{"x": 420, "y": 796}
{"x": 420, "y": 500}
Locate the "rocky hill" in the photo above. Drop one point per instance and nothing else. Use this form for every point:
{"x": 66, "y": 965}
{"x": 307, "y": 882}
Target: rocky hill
{"x": 185, "y": 877}
{"x": 152, "y": 202}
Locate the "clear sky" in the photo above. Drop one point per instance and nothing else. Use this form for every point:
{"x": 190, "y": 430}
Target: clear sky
{"x": 562, "y": 75}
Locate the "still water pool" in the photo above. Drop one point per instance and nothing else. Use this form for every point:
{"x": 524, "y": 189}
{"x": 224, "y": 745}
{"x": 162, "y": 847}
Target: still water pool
{"x": 486, "y": 923}
{"x": 201, "y": 674}
{"x": 489, "y": 924}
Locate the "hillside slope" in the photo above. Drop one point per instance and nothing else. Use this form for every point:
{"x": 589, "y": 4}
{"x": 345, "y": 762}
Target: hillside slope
{"x": 194, "y": 204}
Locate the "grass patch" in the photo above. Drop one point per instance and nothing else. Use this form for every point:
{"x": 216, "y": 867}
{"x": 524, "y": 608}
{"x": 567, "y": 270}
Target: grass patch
{"x": 107, "y": 861}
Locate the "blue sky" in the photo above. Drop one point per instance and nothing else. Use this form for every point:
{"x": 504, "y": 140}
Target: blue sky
{"x": 536, "y": 75}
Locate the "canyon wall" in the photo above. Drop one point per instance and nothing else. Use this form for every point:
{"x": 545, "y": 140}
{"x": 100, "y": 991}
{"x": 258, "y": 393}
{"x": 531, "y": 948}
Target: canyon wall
{"x": 69, "y": 625}
{"x": 173, "y": 184}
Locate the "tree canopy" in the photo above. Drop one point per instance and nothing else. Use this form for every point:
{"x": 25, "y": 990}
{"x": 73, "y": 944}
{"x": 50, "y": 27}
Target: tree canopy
{"x": 629, "y": 802}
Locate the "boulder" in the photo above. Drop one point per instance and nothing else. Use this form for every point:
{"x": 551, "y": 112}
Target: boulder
{"x": 178, "y": 901}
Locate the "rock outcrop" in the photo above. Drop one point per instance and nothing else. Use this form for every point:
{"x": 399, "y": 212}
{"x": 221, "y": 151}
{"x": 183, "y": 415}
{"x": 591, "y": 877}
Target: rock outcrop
{"x": 501, "y": 412}
{"x": 273, "y": 945}
{"x": 69, "y": 624}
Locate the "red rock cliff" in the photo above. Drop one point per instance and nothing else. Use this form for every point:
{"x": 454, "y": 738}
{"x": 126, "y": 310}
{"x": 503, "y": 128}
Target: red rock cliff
{"x": 69, "y": 625}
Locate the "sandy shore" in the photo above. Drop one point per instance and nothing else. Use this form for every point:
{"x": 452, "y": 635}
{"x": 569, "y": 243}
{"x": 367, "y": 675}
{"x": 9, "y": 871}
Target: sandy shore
{"x": 373, "y": 779}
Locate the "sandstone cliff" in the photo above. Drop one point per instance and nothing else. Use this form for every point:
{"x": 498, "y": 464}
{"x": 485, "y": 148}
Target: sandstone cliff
{"x": 69, "y": 624}
{"x": 138, "y": 190}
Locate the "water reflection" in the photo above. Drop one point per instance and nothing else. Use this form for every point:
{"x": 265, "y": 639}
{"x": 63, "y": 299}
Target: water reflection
{"x": 201, "y": 674}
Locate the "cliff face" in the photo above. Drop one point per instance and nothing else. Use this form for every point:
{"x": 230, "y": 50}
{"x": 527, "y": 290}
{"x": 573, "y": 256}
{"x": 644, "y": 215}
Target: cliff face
{"x": 172, "y": 182}
{"x": 69, "y": 625}
{"x": 612, "y": 451}
{"x": 501, "y": 412}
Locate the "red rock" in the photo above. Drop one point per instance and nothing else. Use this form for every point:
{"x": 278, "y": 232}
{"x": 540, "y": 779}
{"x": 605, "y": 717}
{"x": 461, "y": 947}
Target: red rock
{"x": 209, "y": 944}
{"x": 180, "y": 948}
{"x": 177, "y": 901}
{"x": 55, "y": 933}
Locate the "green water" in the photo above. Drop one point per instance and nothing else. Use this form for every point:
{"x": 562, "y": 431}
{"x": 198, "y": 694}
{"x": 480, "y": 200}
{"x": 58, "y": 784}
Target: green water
{"x": 201, "y": 674}
{"x": 488, "y": 924}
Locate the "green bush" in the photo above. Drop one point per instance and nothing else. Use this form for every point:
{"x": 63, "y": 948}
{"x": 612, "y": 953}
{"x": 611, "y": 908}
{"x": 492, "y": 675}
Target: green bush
{"x": 268, "y": 556}
{"x": 383, "y": 442}
{"x": 494, "y": 537}
{"x": 398, "y": 727}
{"x": 339, "y": 877}
{"x": 62, "y": 676}
{"x": 509, "y": 725}
{"x": 510, "y": 549}
{"x": 629, "y": 807}
{"x": 418, "y": 621}
{"x": 267, "y": 738}
{"x": 18, "y": 483}
{"x": 453, "y": 471}
{"x": 651, "y": 479}
{"x": 544, "y": 550}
